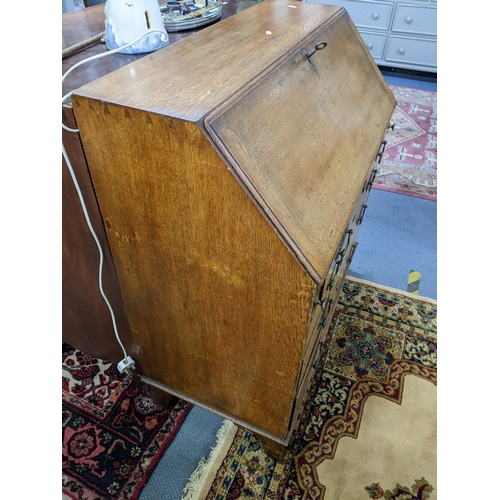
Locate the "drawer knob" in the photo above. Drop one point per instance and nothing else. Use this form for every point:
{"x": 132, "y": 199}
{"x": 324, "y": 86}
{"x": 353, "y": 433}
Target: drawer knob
{"x": 308, "y": 55}
{"x": 408, "y": 19}
{"x": 375, "y": 15}
{"x": 401, "y": 50}
{"x": 369, "y": 45}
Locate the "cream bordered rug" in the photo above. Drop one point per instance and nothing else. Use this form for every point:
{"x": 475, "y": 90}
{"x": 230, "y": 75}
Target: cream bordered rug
{"x": 368, "y": 428}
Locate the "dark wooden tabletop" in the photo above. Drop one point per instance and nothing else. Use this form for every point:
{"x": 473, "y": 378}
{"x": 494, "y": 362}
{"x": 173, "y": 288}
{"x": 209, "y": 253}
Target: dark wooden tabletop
{"x": 80, "y": 25}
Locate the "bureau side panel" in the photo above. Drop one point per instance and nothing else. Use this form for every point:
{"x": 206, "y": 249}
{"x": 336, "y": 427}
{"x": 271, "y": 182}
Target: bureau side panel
{"x": 217, "y": 304}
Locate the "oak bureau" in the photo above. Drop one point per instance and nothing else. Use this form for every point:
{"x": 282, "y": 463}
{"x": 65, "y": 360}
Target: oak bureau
{"x": 232, "y": 170}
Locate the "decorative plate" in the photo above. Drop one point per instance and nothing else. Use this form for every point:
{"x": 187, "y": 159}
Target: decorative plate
{"x": 178, "y": 16}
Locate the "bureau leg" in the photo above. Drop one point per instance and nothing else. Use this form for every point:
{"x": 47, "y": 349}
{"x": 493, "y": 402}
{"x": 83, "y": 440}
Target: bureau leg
{"x": 273, "y": 449}
{"x": 159, "y": 397}
{"x": 140, "y": 385}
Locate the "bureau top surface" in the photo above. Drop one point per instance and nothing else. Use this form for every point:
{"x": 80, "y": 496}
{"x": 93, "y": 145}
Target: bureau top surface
{"x": 190, "y": 78}
{"x": 299, "y": 132}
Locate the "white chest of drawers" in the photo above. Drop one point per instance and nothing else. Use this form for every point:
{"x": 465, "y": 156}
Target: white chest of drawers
{"x": 400, "y": 34}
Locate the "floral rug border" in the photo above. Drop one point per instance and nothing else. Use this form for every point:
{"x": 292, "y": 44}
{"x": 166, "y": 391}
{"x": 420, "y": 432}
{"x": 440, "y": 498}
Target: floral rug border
{"x": 98, "y": 403}
{"x": 396, "y": 310}
{"x": 348, "y": 425}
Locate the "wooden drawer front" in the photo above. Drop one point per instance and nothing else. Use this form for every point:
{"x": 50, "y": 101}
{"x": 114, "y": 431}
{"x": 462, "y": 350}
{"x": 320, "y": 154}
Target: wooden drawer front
{"x": 413, "y": 19}
{"x": 338, "y": 263}
{"x": 322, "y": 316}
{"x": 361, "y": 205}
{"x": 412, "y": 51}
{"x": 320, "y": 322}
{"x": 324, "y": 302}
{"x": 313, "y": 337}
{"x": 303, "y": 385}
{"x": 375, "y": 42}
{"x": 343, "y": 255}
{"x": 373, "y": 15}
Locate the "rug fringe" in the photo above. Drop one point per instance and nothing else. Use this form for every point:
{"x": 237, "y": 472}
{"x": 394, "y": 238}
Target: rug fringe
{"x": 197, "y": 479}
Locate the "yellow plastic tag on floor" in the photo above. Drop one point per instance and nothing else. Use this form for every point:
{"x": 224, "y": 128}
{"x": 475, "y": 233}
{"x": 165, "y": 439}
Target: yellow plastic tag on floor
{"x": 413, "y": 282}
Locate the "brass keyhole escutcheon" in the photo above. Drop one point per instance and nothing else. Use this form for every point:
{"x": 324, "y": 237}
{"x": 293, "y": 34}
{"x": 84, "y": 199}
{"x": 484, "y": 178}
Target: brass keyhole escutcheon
{"x": 308, "y": 55}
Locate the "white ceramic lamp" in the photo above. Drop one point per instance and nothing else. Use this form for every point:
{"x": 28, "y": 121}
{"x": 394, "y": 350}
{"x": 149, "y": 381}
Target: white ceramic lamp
{"x": 127, "y": 20}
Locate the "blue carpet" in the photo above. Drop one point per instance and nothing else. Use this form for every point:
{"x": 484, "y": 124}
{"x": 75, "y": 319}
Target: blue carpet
{"x": 195, "y": 440}
{"x": 398, "y": 235}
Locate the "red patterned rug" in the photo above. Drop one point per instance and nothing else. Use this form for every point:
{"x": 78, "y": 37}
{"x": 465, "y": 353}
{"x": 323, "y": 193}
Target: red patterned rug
{"x": 409, "y": 163}
{"x": 113, "y": 437}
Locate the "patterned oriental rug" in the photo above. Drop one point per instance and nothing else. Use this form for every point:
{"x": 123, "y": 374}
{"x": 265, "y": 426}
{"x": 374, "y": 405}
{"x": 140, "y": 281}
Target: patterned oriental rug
{"x": 368, "y": 427}
{"x": 409, "y": 163}
{"x": 112, "y": 436}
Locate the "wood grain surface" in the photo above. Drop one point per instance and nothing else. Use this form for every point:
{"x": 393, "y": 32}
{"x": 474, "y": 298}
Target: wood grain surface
{"x": 86, "y": 320}
{"x": 308, "y": 178}
{"x": 216, "y": 302}
{"x": 191, "y": 77}
{"x": 227, "y": 170}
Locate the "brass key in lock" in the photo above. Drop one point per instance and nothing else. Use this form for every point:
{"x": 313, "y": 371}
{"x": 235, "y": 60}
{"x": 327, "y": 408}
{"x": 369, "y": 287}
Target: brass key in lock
{"x": 308, "y": 55}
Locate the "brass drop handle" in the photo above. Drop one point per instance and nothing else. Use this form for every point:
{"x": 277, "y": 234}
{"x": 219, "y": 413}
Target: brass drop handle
{"x": 381, "y": 151}
{"x": 361, "y": 214}
{"x": 308, "y": 55}
{"x": 351, "y": 255}
{"x": 372, "y": 179}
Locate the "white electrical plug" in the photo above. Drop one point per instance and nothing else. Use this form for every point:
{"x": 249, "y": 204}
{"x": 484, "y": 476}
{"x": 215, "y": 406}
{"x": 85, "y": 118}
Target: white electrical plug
{"x": 125, "y": 364}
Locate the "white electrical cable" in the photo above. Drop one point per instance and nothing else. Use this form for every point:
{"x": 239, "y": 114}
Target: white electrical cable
{"x": 96, "y": 239}
{"x": 104, "y": 54}
{"x": 127, "y": 362}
